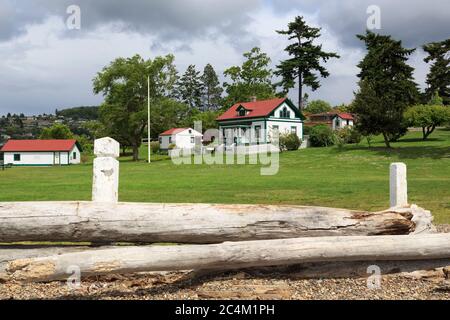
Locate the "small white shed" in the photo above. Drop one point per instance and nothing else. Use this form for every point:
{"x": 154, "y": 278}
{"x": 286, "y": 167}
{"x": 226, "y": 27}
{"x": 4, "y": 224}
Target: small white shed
{"x": 183, "y": 138}
{"x": 41, "y": 152}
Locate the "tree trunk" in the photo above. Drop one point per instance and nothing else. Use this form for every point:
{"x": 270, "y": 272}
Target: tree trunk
{"x": 427, "y": 131}
{"x": 232, "y": 255}
{"x": 195, "y": 223}
{"x": 300, "y": 91}
{"x": 386, "y": 140}
{"x": 135, "y": 152}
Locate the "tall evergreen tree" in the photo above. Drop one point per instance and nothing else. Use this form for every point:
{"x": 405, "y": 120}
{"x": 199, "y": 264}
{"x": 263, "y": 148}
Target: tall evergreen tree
{"x": 252, "y": 79}
{"x": 190, "y": 88}
{"x": 386, "y": 88}
{"x": 438, "y": 79}
{"x": 305, "y": 60}
{"x": 212, "y": 90}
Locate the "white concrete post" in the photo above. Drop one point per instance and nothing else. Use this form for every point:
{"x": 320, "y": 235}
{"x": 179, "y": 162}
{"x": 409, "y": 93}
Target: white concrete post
{"x": 105, "y": 185}
{"x": 398, "y": 185}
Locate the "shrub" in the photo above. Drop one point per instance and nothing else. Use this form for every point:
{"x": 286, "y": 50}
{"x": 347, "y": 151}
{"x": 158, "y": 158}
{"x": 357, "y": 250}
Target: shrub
{"x": 348, "y": 135}
{"x": 321, "y": 136}
{"x": 290, "y": 142}
{"x": 155, "y": 146}
{"x": 306, "y": 130}
{"x": 172, "y": 146}
{"x": 84, "y": 158}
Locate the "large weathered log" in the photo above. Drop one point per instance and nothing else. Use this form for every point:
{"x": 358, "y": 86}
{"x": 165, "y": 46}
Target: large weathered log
{"x": 232, "y": 255}
{"x": 196, "y": 223}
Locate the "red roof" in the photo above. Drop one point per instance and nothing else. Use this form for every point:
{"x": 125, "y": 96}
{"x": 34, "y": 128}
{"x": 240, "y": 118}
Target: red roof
{"x": 173, "y": 131}
{"x": 342, "y": 115}
{"x": 38, "y": 145}
{"x": 256, "y": 109}
{"x": 345, "y": 116}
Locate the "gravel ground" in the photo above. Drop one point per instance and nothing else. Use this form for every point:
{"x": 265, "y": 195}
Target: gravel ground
{"x": 233, "y": 285}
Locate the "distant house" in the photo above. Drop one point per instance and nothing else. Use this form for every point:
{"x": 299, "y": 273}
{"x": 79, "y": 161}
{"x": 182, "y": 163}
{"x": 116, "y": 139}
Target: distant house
{"x": 183, "y": 138}
{"x": 254, "y": 122}
{"x": 335, "y": 120}
{"x": 41, "y": 152}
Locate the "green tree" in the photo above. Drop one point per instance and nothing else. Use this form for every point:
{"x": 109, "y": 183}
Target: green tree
{"x": 212, "y": 90}
{"x": 167, "y": 113}
{"x": 123, "y": 83}
{"x": 253, "y": 78}
{"x": 190, "y": 88}
{"x": 306, "y": 58}
{"x": 438, "y": 78}
{"x": 318, "y": 106}
{"x": 208, "y": 119}
{"x": 58, "y": 131}
{"x": 427, "y": 117}
{"x": 436, "y": 100}
{"x": 386, "y": 87}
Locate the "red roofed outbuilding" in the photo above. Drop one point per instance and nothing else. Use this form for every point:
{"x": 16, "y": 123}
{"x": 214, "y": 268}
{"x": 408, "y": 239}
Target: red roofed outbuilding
{"x": 41, "y": 152}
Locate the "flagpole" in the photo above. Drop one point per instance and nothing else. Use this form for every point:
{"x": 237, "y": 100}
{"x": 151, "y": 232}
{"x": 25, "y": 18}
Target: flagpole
{"x": 148, "y": 123}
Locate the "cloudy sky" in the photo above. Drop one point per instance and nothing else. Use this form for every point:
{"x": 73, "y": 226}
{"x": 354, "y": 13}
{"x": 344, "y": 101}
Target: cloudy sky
{"x": 44, "y": 65}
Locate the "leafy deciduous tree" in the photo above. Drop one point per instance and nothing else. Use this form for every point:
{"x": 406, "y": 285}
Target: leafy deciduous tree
{"x": 124, "y": 85}
{"x": 318, "y": 106}
{"x": 253, "y": 78}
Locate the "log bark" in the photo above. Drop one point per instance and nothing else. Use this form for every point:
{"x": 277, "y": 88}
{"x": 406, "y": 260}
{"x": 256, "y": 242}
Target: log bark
{"x": 232, "y": 255}
{"x": 196, "y": 223}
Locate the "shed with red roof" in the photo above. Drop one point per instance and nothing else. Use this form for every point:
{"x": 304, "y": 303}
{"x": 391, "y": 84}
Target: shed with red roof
{"x": 41, "y": 152}
{"x": 182, "y": 138}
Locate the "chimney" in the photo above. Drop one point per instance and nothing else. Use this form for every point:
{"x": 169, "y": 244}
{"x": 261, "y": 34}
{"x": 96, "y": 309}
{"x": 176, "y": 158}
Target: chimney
{"x": 253, "y": 98}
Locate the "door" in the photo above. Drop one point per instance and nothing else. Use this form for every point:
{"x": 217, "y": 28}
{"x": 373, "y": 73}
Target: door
{"x": 57, "y": 158}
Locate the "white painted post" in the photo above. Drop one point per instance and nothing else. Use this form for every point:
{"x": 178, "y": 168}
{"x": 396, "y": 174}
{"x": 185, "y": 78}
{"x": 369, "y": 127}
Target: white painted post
{"x": 105, "y": 186}
{"x": 398, "y": 185}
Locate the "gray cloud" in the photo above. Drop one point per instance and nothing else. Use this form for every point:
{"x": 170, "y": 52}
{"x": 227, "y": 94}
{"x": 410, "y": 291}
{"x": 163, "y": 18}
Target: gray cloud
{"x": 51, "y": 67}
{"x": 170, "y": 20}
{"x": 415, "y": 22}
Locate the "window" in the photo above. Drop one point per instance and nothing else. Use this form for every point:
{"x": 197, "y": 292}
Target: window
{"x": 170, "y": 140}
{"x": 160, "y": 140}
{"x": 285, "y": 113}
{"x": 348, "y": 122}
{"x": 276, "y": 128}
{"x": 2, "y": 157}
{"x": 294, "y": 130}
{"x": 337, "y": 122}
{"x": 257, "y": 132}
{"x": 17, "y": 157}
{"x": 242, "y": 112}
{"x": 192, "y": 140}
{"x": 74, "y": 156}
{"x": 190, "y": 131}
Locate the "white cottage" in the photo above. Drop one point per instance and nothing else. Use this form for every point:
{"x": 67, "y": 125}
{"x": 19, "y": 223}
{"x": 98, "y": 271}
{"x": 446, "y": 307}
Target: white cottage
{"x": 182, "y": 138}
{"x": 255, "y": 122}
{"x": 41, "y": 152}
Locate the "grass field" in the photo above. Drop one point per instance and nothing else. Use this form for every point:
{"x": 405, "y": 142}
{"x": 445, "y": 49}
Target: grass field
{"x": 355, "y": 177}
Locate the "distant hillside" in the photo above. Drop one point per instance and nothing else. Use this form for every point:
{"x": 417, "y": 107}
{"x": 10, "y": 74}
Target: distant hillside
{"x": 77, "y": 113}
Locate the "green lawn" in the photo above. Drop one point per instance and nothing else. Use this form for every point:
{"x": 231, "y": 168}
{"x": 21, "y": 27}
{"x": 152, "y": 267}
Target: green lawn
{"x": 355, "y": 177}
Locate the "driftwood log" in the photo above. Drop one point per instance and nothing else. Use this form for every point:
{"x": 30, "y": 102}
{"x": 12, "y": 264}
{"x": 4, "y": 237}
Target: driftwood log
{"x": 196, "y": 223}
{"x": 232, "y": 255}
